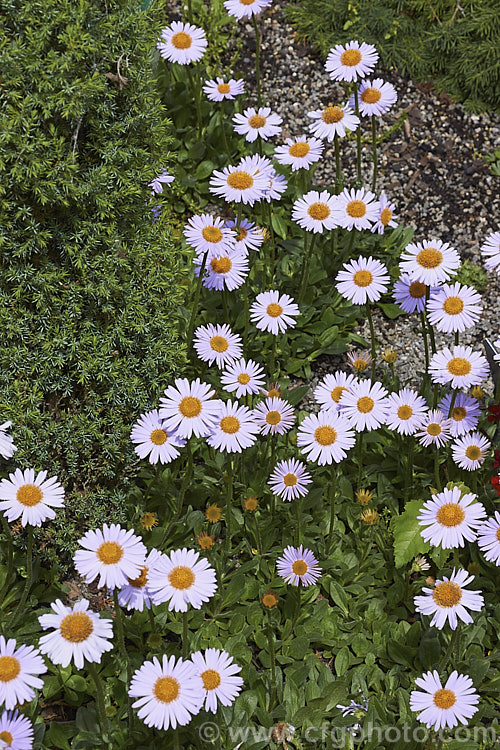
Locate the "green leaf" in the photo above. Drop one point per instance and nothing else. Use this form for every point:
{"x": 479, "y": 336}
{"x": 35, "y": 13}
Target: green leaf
{"x": 390, "y": 309}
{"x": 279, "y": 226}
{"x": 204, "y": 169}
{"x": 408, "y": 541}
{"x": 342, "y": 661}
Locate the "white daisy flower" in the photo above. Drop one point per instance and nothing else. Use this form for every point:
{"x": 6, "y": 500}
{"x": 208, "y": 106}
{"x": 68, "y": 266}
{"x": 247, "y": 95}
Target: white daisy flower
{"x": 245, "y": 8}
{"x": 157, "y": 183}
{"x": 406, "y": 411}
{"x": 135, "y": 593}
{"x": 274, "y": 312}
{"x": 7, "y": 447}
{"x": 248, "y": 235}
{"x": 461, "y": 367}
{"x": 298, "y": 566}
{"x": 449, "y": 601}
{"x": 276, "y": 186}
{"x": 16, "y": 731}
{"x": 274, "y": 416}
{"x": 359, "y": 360}
{"x": 315, "y": 211}
{"x": 325, "y": 437}
{"x": 362, "y": 280}
{"x": 220, "y": 89}
{"x": 464, "y": 415}
{"x": 410, "y": 294}
{"x": 78, "y": 634}
{"x": 454, "y": 307}
{"x": 188, "y": 408}
{"x": 256, "y": 165}
{"x": 290, "y": 479}
{"x": 329, "y": 390}
{"x": 386, "y": 215}
{"x": 243, "y": 377}
{"x": 235, "y": 428}
{"x": 220, "y": 676}
{"x": 226, "y": 269}
{"x": 300, "y": 152}
{"x": 169, "y": 692}
{"x": 237, "y": 184}
{"x": 375, "y": 97}
{"x": 365, "y": 405}
{"x": 333, "y": 121}
{"x": 112, "y": 553}
{"x": 19, "y": 670}
{"x": 180, "y": 578}
{"x": 257, "y": 123}
{"x": 490, "y": 250}
{"x": 434, "y": 429}
{"x": 352, "y": 61}
{"x": 488, "y": 538}
{"x": 182, "y": 43}
{"x": 30, "y": 497}
{"x": 217, "y": 344}
{"x": 356, "y": 209}
{"x": 432, "y": 262}
{"x": 206, "y": 233}
{"x": 439, "y": 706}
{"x": 153, "y": 440}
{"x": 470, "y": 450}
{"x": 451, "y": 518}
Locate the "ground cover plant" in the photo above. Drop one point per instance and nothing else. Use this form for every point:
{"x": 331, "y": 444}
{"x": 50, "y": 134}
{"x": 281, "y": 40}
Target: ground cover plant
{"x": 287, "y": 575}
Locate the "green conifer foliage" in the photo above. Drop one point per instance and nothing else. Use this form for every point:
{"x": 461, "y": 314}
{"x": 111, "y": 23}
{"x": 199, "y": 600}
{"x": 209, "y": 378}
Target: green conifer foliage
{"x": 89, "y": 290}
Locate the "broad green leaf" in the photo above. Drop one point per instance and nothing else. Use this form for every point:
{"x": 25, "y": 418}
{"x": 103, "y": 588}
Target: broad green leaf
{"x": 408, "y": 541}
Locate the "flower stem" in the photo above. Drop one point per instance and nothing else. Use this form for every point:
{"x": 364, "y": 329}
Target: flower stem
{"x": 358, "y": 134}
{"x": 272, "y": 259}
{"x": 298, "y": 509}
{"x": 429, "y": 325}
{"x": 372, "y": 339}
{"x": 273, "y": 359}
{"x": 10, "y": 558}
{"x": 29, "y": 579}
{"x": 257, "y": 57}
{"x": 374, "y": 147}
{"x": 123, "y": 650}
{"x": 270, "y": 639}
{"x": 196, "y": 300}
{"x": 222, "y": 115}
{"x": 257, "y": 534}
{"x": 426, "y": 343}
{"x": 338, "y": 175}
{"x": 305, "y": 269}
{"x": 185, "y": 635}
{"x": 436, "y": 470}
{"x": 229, "y": 502}
{"x": 449, "y": 651}
{"x": 100, "y": 703}
{"x": 333, "y": 493}
{"x": 196, "y": 93}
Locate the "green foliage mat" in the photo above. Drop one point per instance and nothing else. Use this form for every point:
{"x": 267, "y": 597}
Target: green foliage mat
{"x": 454, "y": 43}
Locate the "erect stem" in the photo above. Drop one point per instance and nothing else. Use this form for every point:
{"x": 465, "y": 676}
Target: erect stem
{"x": 194, "y": 309}
{"x": 338, "y": 176}
{"x": 123, "y": 650}
{"x": 333, "y": 493}
{"x": 374, "y": 147}
{"x": 222, "y": 117}
{"x": 10, "y": 558}
{"x": 305, "y": 269}
{"x": 452, "y": 402}
{"x": 100, "y": 703}
{"x": 372, "y": 339}
{"x": 185, "y": 482}
{"x": 272, "y": 259}
{"x": 185, "y": 635}
{"x": 257, "y": 57}
{"x": 426, "y": 343}
{"x": 196, "y": 91}
{"x": 272, "y": 364}
{"x": 270, "y": 639}
{"x": 29, "y": 579}
{"x": 429, "y": 325}
{"x": 436, "y": 470}
{"x": 229, "y": 502}
{"x": 358, "y": 133}
{"x": 257, "y": 534}
{"x": 298, "y": 509}
{"x": 445, "y": 659}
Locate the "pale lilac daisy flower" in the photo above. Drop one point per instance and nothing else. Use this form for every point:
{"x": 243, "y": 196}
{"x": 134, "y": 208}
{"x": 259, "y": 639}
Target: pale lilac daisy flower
{"x": 362, "y": 280}
{"x": 188, "y": 408}
{"x": 449, "y": 601}
{"x": 352, "y": 61}
{"x": 277, "y": 185}
{"x": 356, "y": 209}
{"x": 248, "y": 235}
{"x": 169, "y": 692}
{"x": 434, "y": 429}
{"x": 7, "y": 447}
{"x": 375, "y": 97}
{"x": 333, "y": 121}
{"x": 470, "y": 450}
{"x": 329, "y": 390}
{"x": 432, "y": 262}
{"x": 153, "y": 440}
{"x": 226, "y": 269}
{"x": 30, "y": 497}
{"x": 274, "y": 416}
{"x": 243, "y": 377}
{"x": 78, "y": 634}
{"x": 180, "y": 578}
{"x": 273, "y": 312}
{"x": 220, "y": 676}
{"x": 490, "y": 250}
{"x": 488, "y": 538}
{"x": 112, "y": 553}
{"x": 454, "y": 307}
{"x": 19, "y": 670}
{"x": 156, "y": 185}
{"x": 451, "y": 518}
{"x": 464, "y": 415}
{"x": 257, "y": 164}
{"x": 410, "y": 294}
{"x": 461, "y": 367}
{"x": 365, "y": 405}
{"x": 315, "y": 211}
{"x": 16, "y": 731}
{"x": 257, "y": 123}
{"x": 235, "y": 428}
{"x": 182, "y": 43}
{"x": 300, "y": 152}
{"x": 135, "y": 593}
{"x": 235, "y": 183}
{"x": 359, "y": 360}
{"x": 298, "y": 566}
{"x": 386, "y": 215}
{"x": 220, "y": 89}
{"x": 290, "y": 479}
{"x": 245, "y": 8}
{"x": 325, "y": 437}
{"x": 217, "y": 343}
{"x": 439, "y": 707}
{"x": 406, "y": 411}
{"x": 206, "y": 233}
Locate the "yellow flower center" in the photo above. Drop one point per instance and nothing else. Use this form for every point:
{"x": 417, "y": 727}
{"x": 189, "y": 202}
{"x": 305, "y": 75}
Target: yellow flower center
{"x": 269, "y": 600}
{"x": 332, "y": 114}
{"x": 299, "y": 567}
{"x": 242, "y": 234}
{"x": 365, "y": 404}
{"x": 273, "y": 417}
{"x": 274, "y": 393}
{"x": 356, "y": 209}
{"x": 458, "y": 413}
{"x": 299, "y": 149}
{"x": 76, "y": 627}
{"x": 250, "y": 503}
{"x": 350, "y": 57}
{"x": 429, "y": 257}
{"x": 498, "y": 534}
{"x": 181, "y": 577}
{"x": 10, "y": 667}
{"x": 158, "y": 437}
{"x": 405, "y": 412}
{"x": 6, "y": 737}
{"x": 243, "y": 378}
{"x": 110, "y": 553}
{"x": 370, "y": 96}
{"x": 240, "y": 180}
{"x": 166, "y": 689}
{"x": 205, "y": 541}
{"x": 453, "y": 306}
{"x": 360, "y": 364}
{"x": 369, "y": 516}
{"x": 290, "y": 480}
{"x": 434, "y": 429}
{"x": 229, "y": 425}
{"x": 450, "y": 514}
{"x": 274, "y": 310}
{"x": 223, "y": 88}
{"x": 447, "y": 594}
{"x": 256, "y": 121}
{"x": 29, "y": 495}
{"x": 416, "y": 289}
{"x": 363, "y": 278}
{"x": 211, "y": 679}
{"x": 247, "y": 2}
{"x": 459, "y": 366}
{"x": 219, "y": 343}
{"x": 149, "y": 520}
{"x": 385, "y": 217}
{"x": 190, "y": 406}
{"x": 221, "y": 265}
{"x": 325, "y": 435}
{"x": 473, "y": 452}
{"x": 211, "y": 234}
{"x": 319, "y": 211}
{"x": 444, "y": 698}
{"x": 213, "y": 513}
{"x": 141, "y": 580}
{"x": 337, "y": 392}
{"x": 181, "y": 40}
